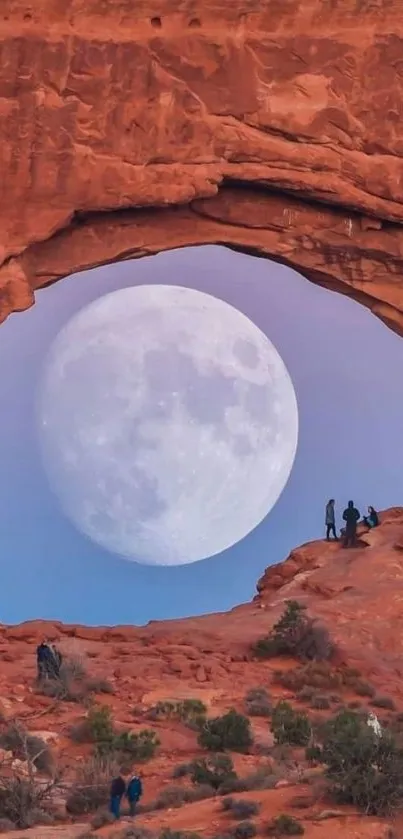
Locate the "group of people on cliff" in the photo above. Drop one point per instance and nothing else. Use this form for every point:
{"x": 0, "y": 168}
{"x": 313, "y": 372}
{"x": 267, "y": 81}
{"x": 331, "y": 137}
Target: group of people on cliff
{"x": 351, "y": 517}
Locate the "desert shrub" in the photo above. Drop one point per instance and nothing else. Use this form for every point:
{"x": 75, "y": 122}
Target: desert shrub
{"x": 289, "y": 726}
{"x": 231, "y": 731}
{"x": 99, "y": 686}
{"x": 296, "y": 634}
{"x": 244, "y": 830}
{"x": 6, "y": 825}
{"x": 314, "y": 674}
{"x": 70, "y": 683}
{"x": 285, "y": 825}
{"x": 176, "y": 796}
{"x": 313, "y": 754}
{"x": 139, "y": 746}
{"x": 320, "y": 702}
{"x": 98, "y": 728}
{"x": 240, "y": 809}
{"x": 91, "y": 787}
{"x": 363, "y": 769}
{"x": 385, "y": 702}
{"x": 257, "y": 703}
{"x": 362, "y": 688}
{"x": 22, "y": 800}
{"x": 135, "y": 832}
{"x": 215, "y": 770}
{"x": 305, "y": 694}
{"x": 189, "y": 711}
{"x": 101, "y": 819}
{"x": 167, "y": 833}
{"x": 263, "y": 778}
{"x": 28, "y": 747}
{"x": 182, "y": 770}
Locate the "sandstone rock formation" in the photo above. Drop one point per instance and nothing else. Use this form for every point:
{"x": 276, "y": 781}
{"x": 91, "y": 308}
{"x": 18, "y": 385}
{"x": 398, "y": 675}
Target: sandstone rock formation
{"x": 357, "y": 594}
{"x": 273, "y": 128}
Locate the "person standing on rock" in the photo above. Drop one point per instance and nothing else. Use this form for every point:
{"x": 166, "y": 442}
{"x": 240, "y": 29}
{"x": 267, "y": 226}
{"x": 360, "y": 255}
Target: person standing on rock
{"x": 134, "y": 792}
{"x": 330, "y": 521}
{"x": 44, "y": 658}
{"x": 350, "y": 516}
{"x": 118, "y": 789}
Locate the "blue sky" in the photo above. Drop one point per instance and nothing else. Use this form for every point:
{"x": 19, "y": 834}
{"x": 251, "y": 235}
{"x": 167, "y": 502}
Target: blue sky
{"x": 346, "y": 369}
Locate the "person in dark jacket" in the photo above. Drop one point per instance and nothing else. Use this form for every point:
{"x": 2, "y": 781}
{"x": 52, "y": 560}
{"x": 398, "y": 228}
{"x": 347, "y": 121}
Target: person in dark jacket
{"x": 118, "y": 789}
{"x": 134, "y": 792}
{"x": 372, "y": 519}
{"x": 44, "y": 660}
{"x": 330, "y": 521}
{"x": 350, "y": 516}
{"x": 56, "y": 662}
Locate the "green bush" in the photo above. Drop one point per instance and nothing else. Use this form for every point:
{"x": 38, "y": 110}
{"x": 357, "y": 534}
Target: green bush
{"x": 289, "y": 726}
{"x": 100, "y": 727}
{"x": 363, "y": 769}
{"x": 296, "y": 634}
{"x": 285, "y": 825}
{"x": 240, "y": 809}
{"x": 244, "y": 830}
{"x": 215, "y": 770}
{"x": 140, "y": 746}
{"x": 231, "y": 731}
{"x": 313, "y": 754}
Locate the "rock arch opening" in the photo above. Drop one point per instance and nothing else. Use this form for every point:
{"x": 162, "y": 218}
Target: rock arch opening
{"x": 350, "y": 254}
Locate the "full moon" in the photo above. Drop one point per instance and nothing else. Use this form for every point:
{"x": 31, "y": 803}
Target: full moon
{"x": 168, "y": 424}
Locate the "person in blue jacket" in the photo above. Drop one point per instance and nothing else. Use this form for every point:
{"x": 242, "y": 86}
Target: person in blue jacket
{"x": 134, "y": 792}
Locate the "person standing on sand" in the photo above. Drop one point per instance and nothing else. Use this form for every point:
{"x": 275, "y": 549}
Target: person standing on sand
{"x": 330, "y": 521}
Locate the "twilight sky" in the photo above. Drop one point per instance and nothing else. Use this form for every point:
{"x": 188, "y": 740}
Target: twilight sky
{"x": 346, "y": 369}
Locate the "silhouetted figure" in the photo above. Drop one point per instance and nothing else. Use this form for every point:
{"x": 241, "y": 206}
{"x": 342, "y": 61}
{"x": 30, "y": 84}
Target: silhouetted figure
{"x": 350, "y": 516}
{"x": 56, "y": 661}
{"x": 134, "y": 793}
{"x": 372, "y": 519}
{"x": 44, "y": 658}
{"x": 330, "y": 520}
{"x": 118, "y": 789}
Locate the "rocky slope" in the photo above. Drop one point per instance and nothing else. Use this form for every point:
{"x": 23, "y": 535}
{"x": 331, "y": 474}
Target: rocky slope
{"x": 272, "y": 128}
{"x": 357, "y": 594}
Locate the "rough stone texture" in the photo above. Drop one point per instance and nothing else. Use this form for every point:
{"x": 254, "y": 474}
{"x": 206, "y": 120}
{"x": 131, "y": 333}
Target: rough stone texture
{"x": 273, "y": 128}
{"x": 357, "y": 594}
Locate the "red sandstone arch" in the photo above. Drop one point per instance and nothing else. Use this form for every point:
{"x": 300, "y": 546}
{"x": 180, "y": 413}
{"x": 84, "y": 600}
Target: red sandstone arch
{"x": 269, "y": 126}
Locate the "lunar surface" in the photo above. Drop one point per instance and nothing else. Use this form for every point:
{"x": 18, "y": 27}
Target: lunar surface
{"x": 168, "y": 424}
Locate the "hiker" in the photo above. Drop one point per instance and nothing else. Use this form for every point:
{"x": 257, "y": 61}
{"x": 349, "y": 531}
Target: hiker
{"x": 330, "y": 521}
{"x": 44, "y": 660}
{"x": 372, "y": 519}
{"x": 134, "y": 792}
{"x": 350, "y": 516}
{"x": 118, "y": 789}
{"x": 56, "y": 662}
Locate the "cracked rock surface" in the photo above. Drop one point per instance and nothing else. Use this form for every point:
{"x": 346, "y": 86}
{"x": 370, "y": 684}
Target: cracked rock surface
{"x": 272, "y": 128}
